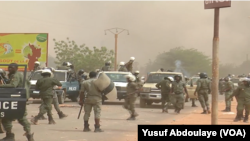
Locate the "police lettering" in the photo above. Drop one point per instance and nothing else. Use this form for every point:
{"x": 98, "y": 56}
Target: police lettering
{"x": 8, "y": 105}
{"x": 2, "y": 114}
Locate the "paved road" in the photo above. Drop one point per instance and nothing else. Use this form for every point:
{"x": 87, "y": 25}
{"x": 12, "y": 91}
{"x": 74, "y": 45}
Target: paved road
{"x": 113, "y": 121}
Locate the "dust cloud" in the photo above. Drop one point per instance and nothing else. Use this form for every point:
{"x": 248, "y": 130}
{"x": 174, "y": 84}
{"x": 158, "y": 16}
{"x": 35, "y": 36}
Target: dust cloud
{"x": 154, "y": 26}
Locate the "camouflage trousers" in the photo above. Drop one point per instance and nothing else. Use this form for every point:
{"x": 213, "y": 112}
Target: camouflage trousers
{"x": 7, "y": 123}
{"x": 55, "y": 103}
{"x": 88, "y": 106}
{"x": 46, "y": 106}
{"x": 203, "y": 99}
{"x": 178, "y": 101}
{"x": 129, "y": 104}
{"x": 165, "y": 100}
{"x": 228, "y": 102}
{"x": 241, "y": 106}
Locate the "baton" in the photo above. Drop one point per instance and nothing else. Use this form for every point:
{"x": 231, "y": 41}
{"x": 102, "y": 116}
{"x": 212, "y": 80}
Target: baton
{"x": 79, "y": 113}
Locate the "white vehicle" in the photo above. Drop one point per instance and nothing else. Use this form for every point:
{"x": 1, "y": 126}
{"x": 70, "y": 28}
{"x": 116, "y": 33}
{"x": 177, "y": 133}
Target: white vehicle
{"x": 120, "y": 83}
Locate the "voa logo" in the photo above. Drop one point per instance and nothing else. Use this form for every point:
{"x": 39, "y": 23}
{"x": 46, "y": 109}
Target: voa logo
{"x": 72, "y": 88}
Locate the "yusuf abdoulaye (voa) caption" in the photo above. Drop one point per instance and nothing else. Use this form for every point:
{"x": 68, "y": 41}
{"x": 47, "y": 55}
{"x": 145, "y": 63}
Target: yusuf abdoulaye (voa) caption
{"x": 192, "y": 131}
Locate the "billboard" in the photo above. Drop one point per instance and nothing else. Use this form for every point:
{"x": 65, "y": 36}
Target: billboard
{"x": 23, "y": 48}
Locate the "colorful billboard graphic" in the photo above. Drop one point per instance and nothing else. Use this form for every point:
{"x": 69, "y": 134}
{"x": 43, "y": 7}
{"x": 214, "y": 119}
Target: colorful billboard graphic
{"x": 23, "y": 48}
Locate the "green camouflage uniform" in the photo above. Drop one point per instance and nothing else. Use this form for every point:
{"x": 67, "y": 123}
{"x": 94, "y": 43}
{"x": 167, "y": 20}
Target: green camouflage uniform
{"x": 63, "y": 68}
{"x": 164, "y": 85}
{"x": 132, "y": 93}
{"x": 229, "y": 88}
{"x": 129, "y": 66}
{"x": 45, "y": 86}
{"x": 243, "y": 94}
{"x": 37, "y": 68}
{"x": 16, "y": 80}
{"x": 178, "y": 90}
{"x": 123, "y": 69}
{"x": 93, "y": 99}
{"x": 203, "y": 89}
{"x": 221, "y": 86}
{"x": 106, "y": 68}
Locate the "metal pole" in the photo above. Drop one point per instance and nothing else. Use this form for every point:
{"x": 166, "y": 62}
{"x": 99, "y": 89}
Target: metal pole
{"x": 116, "y": 37}
{"x": 215, "y": 68}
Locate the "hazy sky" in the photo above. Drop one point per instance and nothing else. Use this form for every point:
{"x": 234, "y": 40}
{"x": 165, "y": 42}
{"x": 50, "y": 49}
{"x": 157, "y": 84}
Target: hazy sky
{"x": 154, "y": 26}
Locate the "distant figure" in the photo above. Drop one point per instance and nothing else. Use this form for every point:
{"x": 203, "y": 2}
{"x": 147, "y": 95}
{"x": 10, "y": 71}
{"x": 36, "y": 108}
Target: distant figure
{"x": 122, "y": 67}
{"x": 65, "y": 66}
{"x": 37, "y": 66}
{"x": 129, "y": 65}
{"x": 106, "y": 67}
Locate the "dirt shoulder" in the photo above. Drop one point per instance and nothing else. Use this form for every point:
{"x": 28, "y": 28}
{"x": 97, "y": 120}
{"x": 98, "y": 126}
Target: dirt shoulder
{"x": 196, "y": 118}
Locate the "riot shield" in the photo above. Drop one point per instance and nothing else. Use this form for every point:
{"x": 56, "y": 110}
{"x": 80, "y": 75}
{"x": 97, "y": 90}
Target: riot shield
{"x": 13, "y": 100}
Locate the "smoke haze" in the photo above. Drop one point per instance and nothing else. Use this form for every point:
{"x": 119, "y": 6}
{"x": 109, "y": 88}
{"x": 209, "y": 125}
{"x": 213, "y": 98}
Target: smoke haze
{"x": 154, "y": 26}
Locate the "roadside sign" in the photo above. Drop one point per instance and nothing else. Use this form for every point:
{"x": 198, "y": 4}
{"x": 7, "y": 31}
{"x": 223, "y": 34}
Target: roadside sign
{"x": 211, "y": 4}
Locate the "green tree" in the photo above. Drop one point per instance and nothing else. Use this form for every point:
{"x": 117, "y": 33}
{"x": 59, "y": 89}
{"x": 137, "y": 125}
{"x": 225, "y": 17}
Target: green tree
{"x": 192, "y": 61}
{"x": 81, "y": 56}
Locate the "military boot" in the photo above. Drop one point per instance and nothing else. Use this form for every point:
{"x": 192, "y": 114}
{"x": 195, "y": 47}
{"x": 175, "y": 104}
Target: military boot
{"x": 229, "y": 109}
{"x": 246, "y": 117}
{"x": 97, "y": 126}
{"x": 178, "y": 111}
{"x": 165, "y": 110}
{"x": 9, "y": 137}
{"x": 237, "y": 118}
{"x": 193, "y": 103}
{"x": 30, "y": 137}
{"x": 86, "y": 126}
{"x": 62, "y": 115}
{"x": 34, "y": 120}
{"x": 51, "y": 120}
{"x": 225, "y": 110}
{"x": 204, "y": 111}
{"x": 42, "y": 118}
{"x": 208, "y": 111}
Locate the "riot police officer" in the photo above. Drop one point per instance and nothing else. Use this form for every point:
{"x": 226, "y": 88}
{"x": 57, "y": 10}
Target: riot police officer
{"x": 81, "y": 77}
{"x": 45, "y": 86}
{"x": 177, "y": 89}
{"x": 137, "y": 78}
{"x": 106, "y": 67}
{"x": 129, "y": 64}
{"x": 37, "y": 66}
{"x": 203, "y": 89}
{"x": 65, "y": 66}
{"x": 16, "y": 80}
{"x": 122, "y": 67}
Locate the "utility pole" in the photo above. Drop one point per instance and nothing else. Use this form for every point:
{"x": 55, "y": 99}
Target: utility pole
{"x": 116, "y": 32}
{"x": 216, "y": 5}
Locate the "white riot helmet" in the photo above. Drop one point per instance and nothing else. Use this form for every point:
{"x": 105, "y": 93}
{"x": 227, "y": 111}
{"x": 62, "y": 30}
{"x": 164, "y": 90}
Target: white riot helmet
{"x": 130, "y": 77}
{"x": 68, "y": 64}
{"x": 122, "y": 63}
{"x": 171, "y": 78}
{"x": 38, "y": 63}
{"x": 46, "y": 71}
{"x": 137, "y": 72}
{"x": 132, "y": 58}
